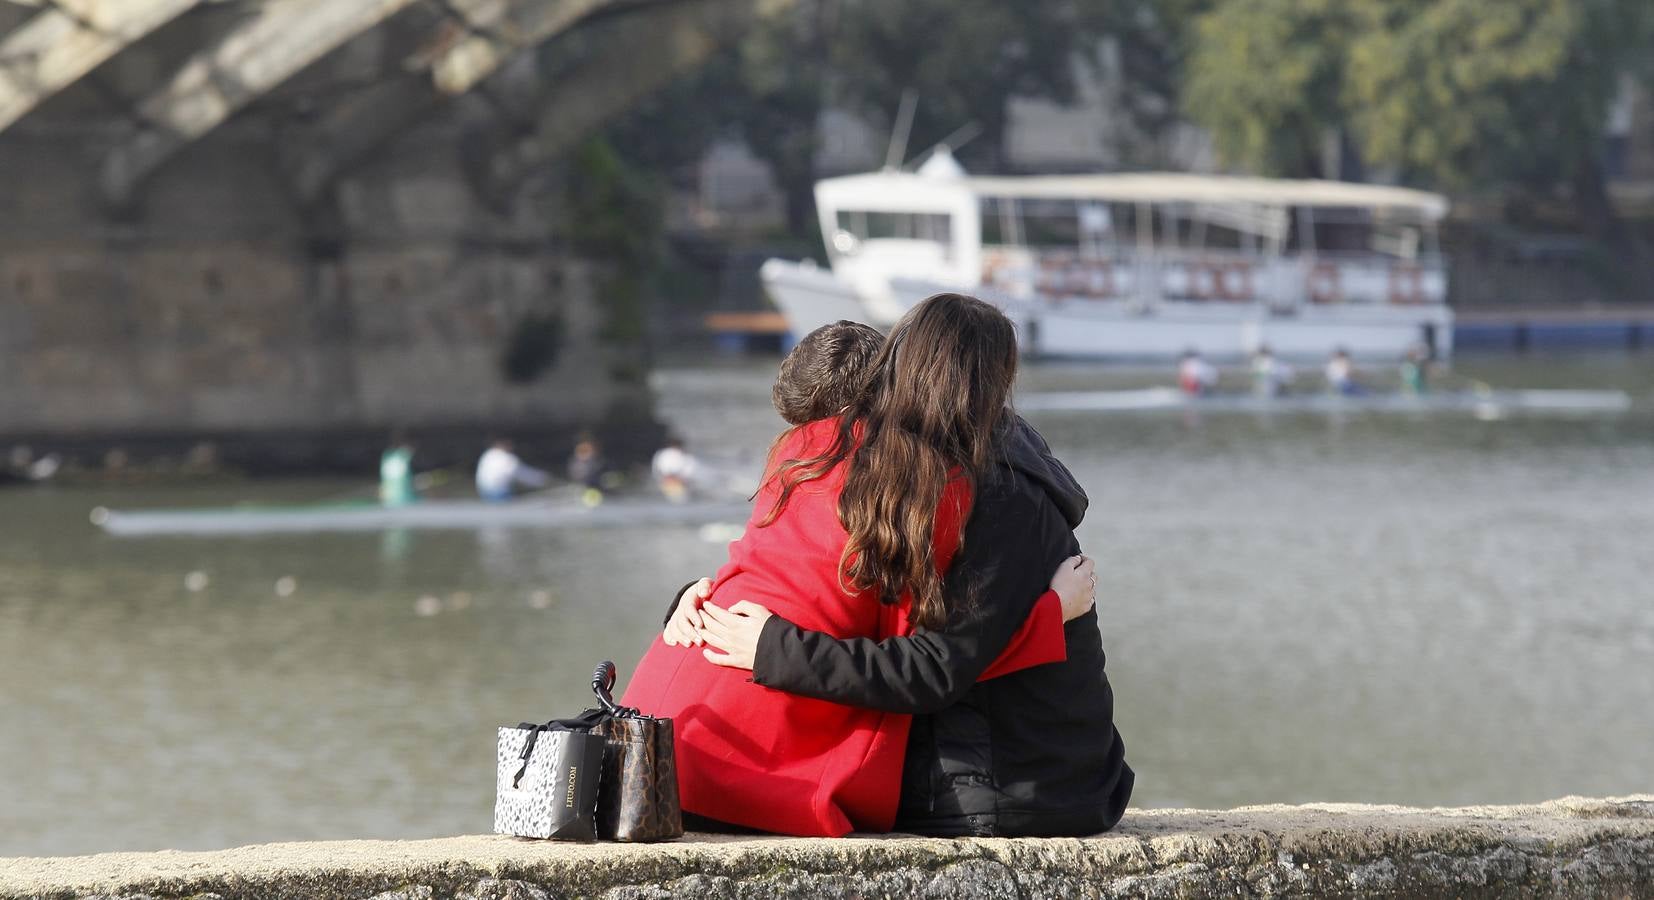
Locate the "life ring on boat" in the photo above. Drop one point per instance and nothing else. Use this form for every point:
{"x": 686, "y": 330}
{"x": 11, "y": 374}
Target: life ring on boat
{"x": 1100, "y": 279}
{"x": 1234, "y": 281}
{"x": 1052, "y": 276}
{"x": 1076, "y": 282}
{"x": 993, "y": 267}
{"x": 1406, "y": 285}
{"x": 1204, "y": 280}
{"x": 1324, "y": 287}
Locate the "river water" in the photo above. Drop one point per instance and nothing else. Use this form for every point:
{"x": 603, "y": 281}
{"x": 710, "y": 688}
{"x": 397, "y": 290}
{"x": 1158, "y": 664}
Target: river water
{"x": 1418, "y": 609}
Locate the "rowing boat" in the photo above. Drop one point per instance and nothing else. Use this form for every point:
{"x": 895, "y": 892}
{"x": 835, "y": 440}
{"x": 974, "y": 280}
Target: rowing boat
{"x": 1482, "y": 404}
{"x": 428, "y": 515}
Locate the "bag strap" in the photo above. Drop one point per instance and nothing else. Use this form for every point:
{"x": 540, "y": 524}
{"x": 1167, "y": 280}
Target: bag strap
{"x": 528, "y": 749}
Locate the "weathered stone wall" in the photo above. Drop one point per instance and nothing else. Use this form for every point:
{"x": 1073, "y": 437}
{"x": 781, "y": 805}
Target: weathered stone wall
{"x": 239, "y": 321}
{"x": 1567, "y": 848}
{"x": 219, "y": 302}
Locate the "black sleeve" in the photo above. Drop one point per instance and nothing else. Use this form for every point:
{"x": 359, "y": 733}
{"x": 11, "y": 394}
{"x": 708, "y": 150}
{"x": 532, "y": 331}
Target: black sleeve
{"x": 1012, "y": 544}
{"x": 673, "y": 606}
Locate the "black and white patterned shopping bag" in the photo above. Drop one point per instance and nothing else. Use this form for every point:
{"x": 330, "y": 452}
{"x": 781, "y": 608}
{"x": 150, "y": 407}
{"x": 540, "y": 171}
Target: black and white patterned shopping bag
{"x": 548, "y": 780}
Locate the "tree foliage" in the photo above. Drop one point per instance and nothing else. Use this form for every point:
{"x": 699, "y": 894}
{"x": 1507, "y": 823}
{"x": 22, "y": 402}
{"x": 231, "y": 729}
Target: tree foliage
{"x": 1266, "y": 77}
{"x": 778, "y": 93}
{"x": 1468, "y": 93}
{"x": 1452, "y": 93}
{"x": 964, "y": 59}
{"x": 1150, "y": 41}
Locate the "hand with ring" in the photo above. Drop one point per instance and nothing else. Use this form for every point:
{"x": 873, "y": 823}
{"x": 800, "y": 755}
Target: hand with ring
{"x": 1076, "y": 585}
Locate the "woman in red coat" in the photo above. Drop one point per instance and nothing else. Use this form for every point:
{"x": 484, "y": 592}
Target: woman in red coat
{"x": 850, "y": 534}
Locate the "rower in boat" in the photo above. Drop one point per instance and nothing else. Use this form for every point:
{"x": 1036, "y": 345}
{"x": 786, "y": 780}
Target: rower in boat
{"x": 1415, "y": 371}
{"x": 500, "y": 472}
{"x": 1270, "y": 375}
{"x": 1341, "y": 375}
{"x": 396, "y": 475}
{"x": 1195, "y": 376}
{"x": 675, "y": 470}
{"x": 23, "y": 467}
{"x": 586, "y": 468}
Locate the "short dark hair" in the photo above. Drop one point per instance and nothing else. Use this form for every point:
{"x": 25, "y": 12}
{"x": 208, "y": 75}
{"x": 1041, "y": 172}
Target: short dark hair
{"x": 825, "y": 372}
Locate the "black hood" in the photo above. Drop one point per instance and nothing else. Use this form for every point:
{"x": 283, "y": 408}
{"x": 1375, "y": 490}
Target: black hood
{"x": 1027, "y": 453}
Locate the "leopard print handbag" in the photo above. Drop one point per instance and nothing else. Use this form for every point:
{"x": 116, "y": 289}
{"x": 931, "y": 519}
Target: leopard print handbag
{"x": 638, "y": 793}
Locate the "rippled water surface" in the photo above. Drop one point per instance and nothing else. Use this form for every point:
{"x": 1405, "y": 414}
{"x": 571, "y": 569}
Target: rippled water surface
{"x": 1421, "y": 609}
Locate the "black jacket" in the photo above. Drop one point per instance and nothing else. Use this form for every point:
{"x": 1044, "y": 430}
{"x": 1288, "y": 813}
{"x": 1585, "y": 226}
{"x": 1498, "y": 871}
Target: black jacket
{"x": 1031, "y": 753}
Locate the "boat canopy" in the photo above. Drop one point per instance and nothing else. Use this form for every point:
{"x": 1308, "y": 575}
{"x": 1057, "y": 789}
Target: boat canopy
{"x": 911, "y": 192}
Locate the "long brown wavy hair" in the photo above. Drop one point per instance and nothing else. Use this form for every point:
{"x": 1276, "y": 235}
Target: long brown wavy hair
{"x": 934, "y": 399}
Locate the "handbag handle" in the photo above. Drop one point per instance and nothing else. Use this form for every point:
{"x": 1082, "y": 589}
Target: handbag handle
{"x": 603, "y": 683}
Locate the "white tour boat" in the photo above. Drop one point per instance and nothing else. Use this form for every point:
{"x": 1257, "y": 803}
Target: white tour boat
{"x": 1134, "y": 265}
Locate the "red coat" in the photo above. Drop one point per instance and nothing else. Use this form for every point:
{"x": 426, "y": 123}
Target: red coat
{"x": 752, "y": 756}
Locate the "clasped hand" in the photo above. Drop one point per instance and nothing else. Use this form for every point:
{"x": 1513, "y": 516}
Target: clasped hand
{"x": 729, "y": 636}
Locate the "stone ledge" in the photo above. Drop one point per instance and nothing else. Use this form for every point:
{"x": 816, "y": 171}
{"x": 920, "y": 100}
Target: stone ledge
{"x": 1574, "y": 847}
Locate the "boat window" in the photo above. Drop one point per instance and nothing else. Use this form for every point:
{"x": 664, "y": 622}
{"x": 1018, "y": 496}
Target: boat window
{"x": 910, "y": 226}
{"x": 1342, "y": 231}
{"x": 1050, "y": 223}
{"x": 1219, "y": 237}
{"x": 1400, "y": 241}
{"x": 1092, "y": 225}
{"x": 999, "y": 221}
{"x": 1174, "y": 230}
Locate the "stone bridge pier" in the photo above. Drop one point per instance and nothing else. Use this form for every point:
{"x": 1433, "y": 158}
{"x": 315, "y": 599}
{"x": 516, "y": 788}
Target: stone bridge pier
{"x": 287, "y": 227}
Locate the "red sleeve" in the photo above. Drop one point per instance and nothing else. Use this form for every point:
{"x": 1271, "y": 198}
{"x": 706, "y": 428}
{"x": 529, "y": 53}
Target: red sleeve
{"x": 1039, "y": 641}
